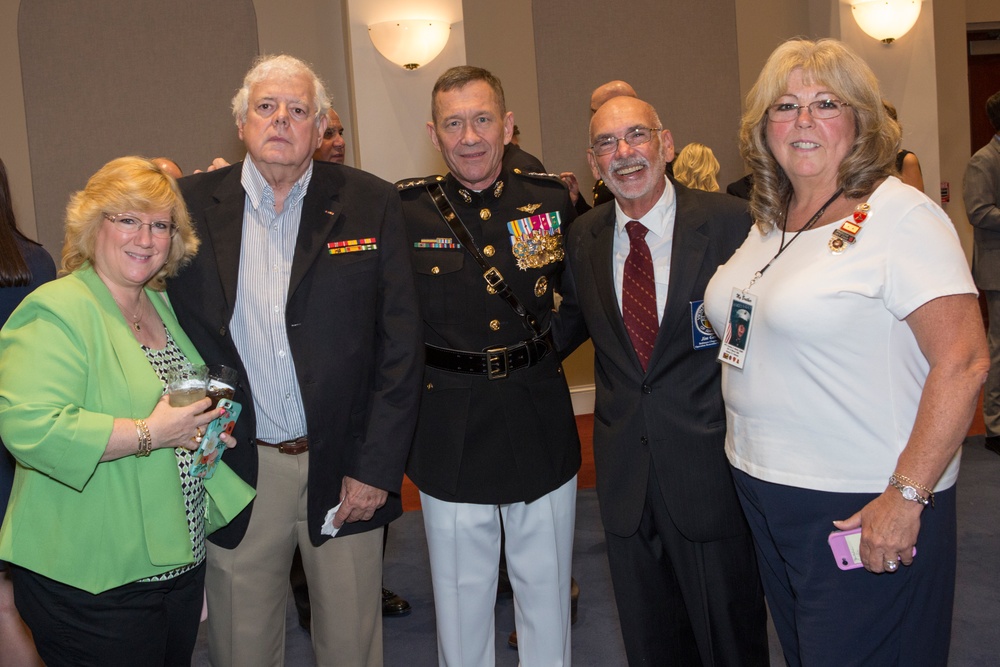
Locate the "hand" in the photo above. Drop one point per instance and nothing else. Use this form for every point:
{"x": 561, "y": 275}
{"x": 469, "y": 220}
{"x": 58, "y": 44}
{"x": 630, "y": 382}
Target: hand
{"x": 217, "y": 163}
{"x": 569, "y": 178}
{"x": 358, "y": 502}
{"x": 889, "y": 527}
{"x": 178, "y": 427}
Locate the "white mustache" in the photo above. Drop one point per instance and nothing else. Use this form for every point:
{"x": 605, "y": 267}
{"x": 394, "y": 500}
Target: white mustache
{"x": 625, "y": 163}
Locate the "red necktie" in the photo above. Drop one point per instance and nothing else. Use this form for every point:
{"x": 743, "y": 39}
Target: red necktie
{"x": 639, "y": 294}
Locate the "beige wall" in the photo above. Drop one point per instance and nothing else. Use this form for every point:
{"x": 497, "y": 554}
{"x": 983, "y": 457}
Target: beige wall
{"x": 14, "y": 138}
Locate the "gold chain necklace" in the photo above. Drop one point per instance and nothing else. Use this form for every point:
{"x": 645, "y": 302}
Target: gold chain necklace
{"x": 135, "y": 316}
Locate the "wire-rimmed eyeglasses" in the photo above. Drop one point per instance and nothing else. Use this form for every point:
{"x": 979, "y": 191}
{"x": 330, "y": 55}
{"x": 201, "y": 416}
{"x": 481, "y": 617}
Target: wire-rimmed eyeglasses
{"x": 637, "y": 136}
{"x": 784, "y": 112}
{"x": 130, "y": 224}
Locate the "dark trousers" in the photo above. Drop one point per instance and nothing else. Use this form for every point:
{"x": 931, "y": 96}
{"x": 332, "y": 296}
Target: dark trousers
{"x": 826, "y": 616}
{"x": 146, "y": 624}
{"x": 686, "y": 603}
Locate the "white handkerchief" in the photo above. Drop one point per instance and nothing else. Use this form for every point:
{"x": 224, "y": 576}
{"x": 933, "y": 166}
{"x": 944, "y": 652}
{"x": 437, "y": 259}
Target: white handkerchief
{"x": 328, "y": 528}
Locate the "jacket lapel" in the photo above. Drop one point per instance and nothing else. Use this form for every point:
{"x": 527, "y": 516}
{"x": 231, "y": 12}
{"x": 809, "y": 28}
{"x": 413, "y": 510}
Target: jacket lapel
{"x": 686, "y": 257}
{"x": 320, "y": 212}
{"x": 224, "y": 228}
{"x": 602, "y": 264}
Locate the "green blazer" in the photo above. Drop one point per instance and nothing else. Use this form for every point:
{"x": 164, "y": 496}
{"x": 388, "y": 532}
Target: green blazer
{"x": 69, "y": 365}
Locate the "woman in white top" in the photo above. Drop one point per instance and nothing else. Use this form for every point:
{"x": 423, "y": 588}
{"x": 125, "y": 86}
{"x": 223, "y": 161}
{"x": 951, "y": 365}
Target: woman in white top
{"x": 862, "y": 364}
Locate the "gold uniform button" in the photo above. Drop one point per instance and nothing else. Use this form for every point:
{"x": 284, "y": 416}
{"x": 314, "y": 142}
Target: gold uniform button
{"x": 495, "y": 325}
{"x": 489, "y": 251}
{"x": 490, "y": 289}
{"x": 485, "y": 214}
{"x": 435, "y": 270}
{"x": 430, "y": 385}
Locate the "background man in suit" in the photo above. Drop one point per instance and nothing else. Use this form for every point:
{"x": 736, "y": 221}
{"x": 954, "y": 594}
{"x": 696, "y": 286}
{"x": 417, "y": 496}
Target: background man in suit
{"x": 681, "y": 556}
{"x": 496, "y": 439}
{"x": 327, "y": 343}
{"x": 982, "y": 205}
{"x": 333, "y": 147}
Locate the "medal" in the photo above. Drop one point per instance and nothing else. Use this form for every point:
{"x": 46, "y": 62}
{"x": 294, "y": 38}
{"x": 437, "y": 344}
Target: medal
{"x": 536, "y": 240}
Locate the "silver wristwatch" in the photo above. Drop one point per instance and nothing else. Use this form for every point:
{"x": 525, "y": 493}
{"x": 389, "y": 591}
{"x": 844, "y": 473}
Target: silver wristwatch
{"x": 909, "y": 492}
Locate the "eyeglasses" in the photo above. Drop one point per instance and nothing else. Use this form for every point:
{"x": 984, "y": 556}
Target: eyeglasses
{"x": 637, "y": 136}
{"x": 784, "y": 112}
{"x": 129, "y": 224}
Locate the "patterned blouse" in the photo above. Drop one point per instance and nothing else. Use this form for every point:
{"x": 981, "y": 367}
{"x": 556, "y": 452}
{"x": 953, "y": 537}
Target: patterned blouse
{"x": 163, "y": 361}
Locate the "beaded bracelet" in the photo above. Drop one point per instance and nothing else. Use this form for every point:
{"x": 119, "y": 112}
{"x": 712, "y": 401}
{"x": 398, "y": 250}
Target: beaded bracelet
{"x": 145, "y": 439}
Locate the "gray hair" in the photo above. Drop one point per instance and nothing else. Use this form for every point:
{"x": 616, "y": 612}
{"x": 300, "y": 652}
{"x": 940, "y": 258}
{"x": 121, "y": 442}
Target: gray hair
{"x": 286, "y": 66}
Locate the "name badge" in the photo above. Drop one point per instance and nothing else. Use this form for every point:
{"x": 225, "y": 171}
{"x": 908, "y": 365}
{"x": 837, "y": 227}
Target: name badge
{"x": 702, "y": 334}
{"x": 736, "y": 339}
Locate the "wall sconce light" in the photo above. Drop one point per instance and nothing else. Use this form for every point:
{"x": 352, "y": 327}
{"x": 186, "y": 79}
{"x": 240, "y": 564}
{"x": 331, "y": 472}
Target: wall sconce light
{"x": 410, "y": 44}
{"x": 886, "y": 20}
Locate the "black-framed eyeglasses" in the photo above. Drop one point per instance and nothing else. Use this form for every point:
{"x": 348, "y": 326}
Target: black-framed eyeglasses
{"x": 784, "y": 112}
{"x": 129, "y": 224}
{"x": 637, "y": 136}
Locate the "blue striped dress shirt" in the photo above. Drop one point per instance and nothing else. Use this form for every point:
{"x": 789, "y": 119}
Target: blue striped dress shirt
{"x": 258, "y": 325}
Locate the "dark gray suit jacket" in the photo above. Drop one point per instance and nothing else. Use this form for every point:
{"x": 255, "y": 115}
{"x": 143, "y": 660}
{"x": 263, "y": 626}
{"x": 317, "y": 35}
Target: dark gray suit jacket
{"x": 982, "y": 205}
{"x": 672, "y": 416}
{"x": 352, "y": 324}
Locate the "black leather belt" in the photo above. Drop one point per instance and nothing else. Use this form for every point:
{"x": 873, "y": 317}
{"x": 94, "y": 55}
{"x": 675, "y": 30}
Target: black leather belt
{"x": 292, "y": 447}
{"x": 495, "y": 363}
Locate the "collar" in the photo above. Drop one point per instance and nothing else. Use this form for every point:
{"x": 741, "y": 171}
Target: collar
{"x": 259, "y": 190}
{"x": 484, "y": 197}
{"x": 656, "y": 218}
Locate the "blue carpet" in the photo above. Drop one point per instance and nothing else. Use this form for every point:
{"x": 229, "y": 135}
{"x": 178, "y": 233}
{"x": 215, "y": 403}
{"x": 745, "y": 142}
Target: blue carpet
{"x": 410, "y": 641}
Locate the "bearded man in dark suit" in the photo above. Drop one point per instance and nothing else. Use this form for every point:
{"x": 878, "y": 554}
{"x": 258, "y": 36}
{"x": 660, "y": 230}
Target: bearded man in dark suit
{"x": 681, "y": 556}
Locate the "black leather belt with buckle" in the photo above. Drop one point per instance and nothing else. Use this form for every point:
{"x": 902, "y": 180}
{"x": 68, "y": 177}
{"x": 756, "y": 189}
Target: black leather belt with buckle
{"x": 495, "y": 363}
{"x": 292, "y": 447}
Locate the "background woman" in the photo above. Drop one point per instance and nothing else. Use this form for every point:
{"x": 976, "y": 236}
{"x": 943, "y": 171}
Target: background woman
{"x": 105, "y": 530}
{"x": 24, "y": 265}
{"x": 864, "y": 358}
{"x": 696, "y": 167}
{"x": 907, "y": 163}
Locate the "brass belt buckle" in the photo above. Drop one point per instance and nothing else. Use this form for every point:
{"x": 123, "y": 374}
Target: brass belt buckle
{"x": 496, "y": 363}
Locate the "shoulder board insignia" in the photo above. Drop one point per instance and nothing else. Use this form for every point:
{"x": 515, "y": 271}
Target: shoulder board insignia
{"x": 538, "y": 175}
{"x": 410, "y": 183}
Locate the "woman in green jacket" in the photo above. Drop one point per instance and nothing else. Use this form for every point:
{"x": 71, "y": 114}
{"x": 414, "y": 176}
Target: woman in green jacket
{"x": 105, "y": 529}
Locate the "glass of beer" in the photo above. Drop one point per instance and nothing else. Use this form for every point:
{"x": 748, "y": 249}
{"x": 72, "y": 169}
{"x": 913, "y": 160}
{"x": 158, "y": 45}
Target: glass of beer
{"x": 187, "y": 385}
{"x": 221, "y": 383}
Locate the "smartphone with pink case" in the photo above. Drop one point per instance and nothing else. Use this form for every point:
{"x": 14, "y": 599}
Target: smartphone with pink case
{"x": 846, "y": 548}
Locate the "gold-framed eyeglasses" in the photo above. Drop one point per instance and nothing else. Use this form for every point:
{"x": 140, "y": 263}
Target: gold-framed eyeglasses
{"x": 130, "y": 224}
{"x": 784, "y": 112}
{"x": 637, "y": 136}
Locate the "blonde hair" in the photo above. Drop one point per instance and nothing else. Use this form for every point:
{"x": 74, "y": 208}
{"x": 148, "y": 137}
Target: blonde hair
{"x": 127, "y": 184}
{"x": 696, "y": 167}
{"x": 830, "y": 63}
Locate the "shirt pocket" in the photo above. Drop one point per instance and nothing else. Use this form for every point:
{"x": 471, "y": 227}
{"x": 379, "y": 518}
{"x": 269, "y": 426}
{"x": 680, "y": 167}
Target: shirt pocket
{"x": 439, "y": 281}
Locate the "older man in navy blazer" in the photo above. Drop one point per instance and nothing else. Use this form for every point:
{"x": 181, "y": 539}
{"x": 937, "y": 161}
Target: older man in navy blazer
{"x": 304, "y": 285}
{"x": 682, "y": 560}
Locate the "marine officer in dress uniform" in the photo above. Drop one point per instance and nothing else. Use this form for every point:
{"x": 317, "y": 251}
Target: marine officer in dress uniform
{"x": 496, "y": 438}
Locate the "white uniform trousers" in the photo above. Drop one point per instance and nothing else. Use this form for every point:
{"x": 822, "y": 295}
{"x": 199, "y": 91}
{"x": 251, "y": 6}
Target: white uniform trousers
{"x": 464, "y": 544}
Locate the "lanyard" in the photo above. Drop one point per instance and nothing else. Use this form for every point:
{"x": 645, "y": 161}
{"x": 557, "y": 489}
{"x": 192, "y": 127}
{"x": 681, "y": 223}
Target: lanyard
{"x": 812, "y": 221}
